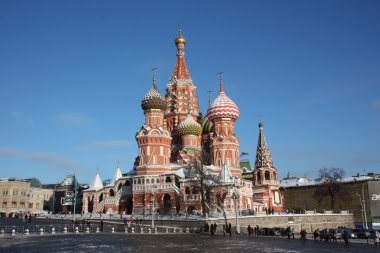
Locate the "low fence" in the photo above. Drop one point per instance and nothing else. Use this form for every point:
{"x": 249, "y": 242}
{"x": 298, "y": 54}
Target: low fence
{"x": 90, "y": 228}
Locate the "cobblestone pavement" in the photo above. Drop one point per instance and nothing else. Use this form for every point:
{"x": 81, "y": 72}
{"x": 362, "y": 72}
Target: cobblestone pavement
{"x": 118, "y": 242}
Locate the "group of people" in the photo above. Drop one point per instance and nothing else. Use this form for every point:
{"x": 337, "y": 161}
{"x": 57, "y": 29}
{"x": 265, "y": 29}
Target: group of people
{"x": 253, "y": 230}
{"x": 210, "y": 228}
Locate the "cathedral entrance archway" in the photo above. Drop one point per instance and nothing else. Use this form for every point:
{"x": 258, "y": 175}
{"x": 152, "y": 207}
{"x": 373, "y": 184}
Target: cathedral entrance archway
{"x": 129, "y": 205}
{"x": 191, "y": 209}
{"x": 167, "y": 204}
{"x": 90, "y": 204}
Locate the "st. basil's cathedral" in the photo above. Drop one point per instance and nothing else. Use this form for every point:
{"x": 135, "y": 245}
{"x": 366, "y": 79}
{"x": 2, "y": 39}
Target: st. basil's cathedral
{"x": 186, "y": 163}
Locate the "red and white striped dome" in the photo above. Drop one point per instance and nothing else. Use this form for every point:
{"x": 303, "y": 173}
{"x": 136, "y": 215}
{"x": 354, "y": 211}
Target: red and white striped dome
{"x": 223, "y": 107}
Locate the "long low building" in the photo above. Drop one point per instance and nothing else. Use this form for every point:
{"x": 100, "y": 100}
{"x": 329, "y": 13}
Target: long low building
{"x": 360, "y": 194}
{"x": 24, "y": 196}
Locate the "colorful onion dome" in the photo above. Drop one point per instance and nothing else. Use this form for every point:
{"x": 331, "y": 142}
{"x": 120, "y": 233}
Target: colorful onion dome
{"x": 207, "y": 125}
{"x": 223, "y": 107}
{"x": 153, "y": 99}
{"x": 189, "y": 126}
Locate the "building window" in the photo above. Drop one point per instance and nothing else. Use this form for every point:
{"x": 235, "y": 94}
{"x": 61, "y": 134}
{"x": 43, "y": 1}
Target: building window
{"x": 4, "y": 204}
{"x": 14, "y": 204}
{"x": 267, "y": 175}
{"x": 30, "y": 205}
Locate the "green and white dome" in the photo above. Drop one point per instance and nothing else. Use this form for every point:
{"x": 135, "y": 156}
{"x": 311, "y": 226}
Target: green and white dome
{"x": 153, "y": 99}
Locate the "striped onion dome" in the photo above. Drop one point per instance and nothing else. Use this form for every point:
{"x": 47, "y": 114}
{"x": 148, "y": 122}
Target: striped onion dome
{"x": 207, "y": 125}
{"x": 153, "y": 99}
{"x": 223, "y": 107}
{"x": 189, "y": 126}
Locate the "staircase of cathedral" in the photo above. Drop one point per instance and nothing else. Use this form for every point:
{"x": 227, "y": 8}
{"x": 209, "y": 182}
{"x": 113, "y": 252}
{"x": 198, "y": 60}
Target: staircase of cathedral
{"x": 176, "y": 189}
{"x": 100, "y": 206}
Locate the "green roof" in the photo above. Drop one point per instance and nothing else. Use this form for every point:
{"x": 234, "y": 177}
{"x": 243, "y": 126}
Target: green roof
{"x": 244, "y": 164}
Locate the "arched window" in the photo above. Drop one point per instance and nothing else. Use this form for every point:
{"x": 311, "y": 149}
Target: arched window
{"x": 147, "y": 181}
{"x": 187, "y": 190}
{"x": 119, "y": 187}
{"x": 101, "y": 197}
{"x": 112, "y": 193}
{"x": 139, "y": 181}
{"x": 152, "y": 181}
{"x": 267, "y": 175}
{"x": 259, "y": 176}
{"x": 168, "y": 180}
{"x": 127, "y": 183}
{"x": 157, "y": 181}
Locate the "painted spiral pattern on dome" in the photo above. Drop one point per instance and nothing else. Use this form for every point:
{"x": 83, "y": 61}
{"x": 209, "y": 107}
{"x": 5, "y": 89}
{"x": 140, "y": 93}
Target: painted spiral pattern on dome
{"x": 223, "y": 107}
{"x": 153, "y": 100}
{"x": 207, "y": 125}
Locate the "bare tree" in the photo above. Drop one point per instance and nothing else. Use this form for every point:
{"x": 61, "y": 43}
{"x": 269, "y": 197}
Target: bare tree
{"x": 203, "y": 181}
{"x": 330, "y": 184}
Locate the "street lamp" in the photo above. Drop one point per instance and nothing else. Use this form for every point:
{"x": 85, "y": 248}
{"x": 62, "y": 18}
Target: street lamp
{"x": 362, "y": 203}
{"x": 364, "y": 209}
{"x": 75, "y": 197}
{"x": 236, "y": 184}
{"x": 153, "y": 193}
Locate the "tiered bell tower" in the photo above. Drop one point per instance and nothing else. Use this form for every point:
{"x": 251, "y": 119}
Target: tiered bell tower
{"x": 181, "y": 97}
{"x": 265, "y": 176}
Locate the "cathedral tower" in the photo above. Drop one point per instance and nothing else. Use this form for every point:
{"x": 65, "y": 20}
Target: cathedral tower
{"x": 266, "y": 186}
{"x": 181, "y": 97}
{"x": 224, "y": 147}
{"x": 153, "y": 138}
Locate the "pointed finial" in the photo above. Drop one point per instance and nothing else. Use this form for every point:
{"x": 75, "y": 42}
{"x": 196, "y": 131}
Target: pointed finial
{"x": 260, "y": 122}
{"x": 118, "y": 164}
{"x": 221, "y": 80}
{"x": 180, "y": 29}
{"x": 180, "y": 39}
{"x": 154, "y": 69}
{"x": 97, "y": 170}
{"x": 209, "y": 97}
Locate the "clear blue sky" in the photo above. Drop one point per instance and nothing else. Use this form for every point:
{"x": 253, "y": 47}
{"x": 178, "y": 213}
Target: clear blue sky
{"x": 72, "y": 75}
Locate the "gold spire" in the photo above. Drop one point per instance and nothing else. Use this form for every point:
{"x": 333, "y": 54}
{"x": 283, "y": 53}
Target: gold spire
{"x": 180, "y": 39}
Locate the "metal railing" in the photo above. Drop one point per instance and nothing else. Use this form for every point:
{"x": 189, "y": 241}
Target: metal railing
{"x": 89, "y": 228}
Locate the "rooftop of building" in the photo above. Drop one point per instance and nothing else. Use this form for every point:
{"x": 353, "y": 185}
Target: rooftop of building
{"x": 292, "y": 181}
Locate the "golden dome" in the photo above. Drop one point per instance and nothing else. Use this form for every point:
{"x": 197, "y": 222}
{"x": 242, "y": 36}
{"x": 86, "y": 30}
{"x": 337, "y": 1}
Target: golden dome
{"x": 180, "y": 40}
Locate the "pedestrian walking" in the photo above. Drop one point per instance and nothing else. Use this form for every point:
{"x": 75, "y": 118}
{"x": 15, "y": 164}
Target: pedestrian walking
{"x": 224, "y": 230}
{"x": 377, "y": 238}
{"x": 293, "y": 232}
{"x": 230, "y": 229}
{"x": 101, "y": 225}
{"x": 345, "y": 237}
{"x": 249, "y": 230}
{"x": 303, "y": 234}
